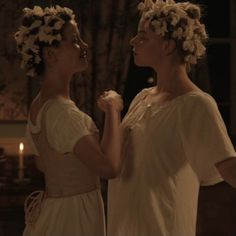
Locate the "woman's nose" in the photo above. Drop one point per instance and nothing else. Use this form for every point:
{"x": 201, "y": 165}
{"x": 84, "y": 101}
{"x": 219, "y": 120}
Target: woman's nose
{"x": 85, "y": 46}
{"x": 132, "y": 41}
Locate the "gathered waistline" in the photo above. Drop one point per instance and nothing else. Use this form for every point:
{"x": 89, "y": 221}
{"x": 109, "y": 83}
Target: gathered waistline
{"x": 59, "y": 193}
{"x": 33, "y": 203}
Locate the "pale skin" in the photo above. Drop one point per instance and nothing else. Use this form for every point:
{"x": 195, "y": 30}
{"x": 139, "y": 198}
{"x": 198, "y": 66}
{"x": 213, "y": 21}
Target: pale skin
{"x": 173, "y": 81}
{"x": 61, "y": 64}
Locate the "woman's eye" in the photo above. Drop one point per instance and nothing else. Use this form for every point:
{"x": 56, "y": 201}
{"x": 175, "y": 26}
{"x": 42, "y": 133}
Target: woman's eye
{"x": 141, "y": 38}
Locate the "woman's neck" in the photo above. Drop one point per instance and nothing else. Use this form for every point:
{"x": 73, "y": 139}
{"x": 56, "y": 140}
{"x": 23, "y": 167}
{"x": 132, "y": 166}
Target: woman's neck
{"x": 54, "y": 85}
{"x": 173, "y": 79}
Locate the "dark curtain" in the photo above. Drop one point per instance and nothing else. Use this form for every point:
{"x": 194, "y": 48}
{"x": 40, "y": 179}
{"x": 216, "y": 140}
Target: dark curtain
{"x": 107, "y": 26}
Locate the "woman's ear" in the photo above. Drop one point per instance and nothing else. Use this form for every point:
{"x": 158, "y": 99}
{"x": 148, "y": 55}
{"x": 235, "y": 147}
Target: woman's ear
{"x": 49, "y": 55}
{"x": 169, "y": 46}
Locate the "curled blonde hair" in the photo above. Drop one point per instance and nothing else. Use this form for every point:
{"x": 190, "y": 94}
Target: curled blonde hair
{"x": 40, "y": 28}
{"x": 180, "y": 22}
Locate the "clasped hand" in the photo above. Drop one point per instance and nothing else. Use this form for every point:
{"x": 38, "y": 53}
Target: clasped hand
{"x": 110, "y": 99}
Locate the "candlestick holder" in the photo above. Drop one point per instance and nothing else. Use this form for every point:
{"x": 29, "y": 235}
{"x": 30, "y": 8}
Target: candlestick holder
{"x": 21, "y": 179}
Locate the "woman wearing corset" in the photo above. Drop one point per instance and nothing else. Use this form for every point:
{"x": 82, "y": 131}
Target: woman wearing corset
{"x": 65, "y": 139}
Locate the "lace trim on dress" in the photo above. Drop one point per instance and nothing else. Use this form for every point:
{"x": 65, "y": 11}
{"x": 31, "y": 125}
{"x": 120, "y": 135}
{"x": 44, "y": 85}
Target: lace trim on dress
{"x": 32, "y": 206}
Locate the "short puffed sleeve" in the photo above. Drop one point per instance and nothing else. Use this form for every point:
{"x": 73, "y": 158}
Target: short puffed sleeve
{"x": 204, "y": 136}
{"x": 66, "y": 125}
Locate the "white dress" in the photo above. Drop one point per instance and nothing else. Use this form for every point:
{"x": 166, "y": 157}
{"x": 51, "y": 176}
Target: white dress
{"x": 73, "y": 205}
{"x": 169, "y": 151}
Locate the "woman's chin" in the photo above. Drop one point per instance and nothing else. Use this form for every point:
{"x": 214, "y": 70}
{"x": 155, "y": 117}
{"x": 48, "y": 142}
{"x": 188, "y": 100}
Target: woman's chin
{"x": 139, "y": 63}
{"x": 82, "y": 66}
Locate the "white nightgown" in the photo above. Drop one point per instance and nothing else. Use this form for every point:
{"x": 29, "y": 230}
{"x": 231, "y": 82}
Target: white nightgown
{"x": 169, "y": 151}
{"x": 74, "y": 204}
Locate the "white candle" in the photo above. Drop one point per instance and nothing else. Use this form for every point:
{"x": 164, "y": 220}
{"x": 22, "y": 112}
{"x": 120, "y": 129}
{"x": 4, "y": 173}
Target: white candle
{"x": 21, "y": 155}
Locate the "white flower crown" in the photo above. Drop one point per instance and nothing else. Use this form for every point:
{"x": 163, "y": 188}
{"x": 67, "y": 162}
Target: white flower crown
{"x": 28, "y": 42}
{"x": 179, "y": 21}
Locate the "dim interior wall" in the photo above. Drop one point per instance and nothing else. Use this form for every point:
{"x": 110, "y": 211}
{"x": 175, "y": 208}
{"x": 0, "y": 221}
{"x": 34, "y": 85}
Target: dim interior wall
{"x": 10, "y": 137}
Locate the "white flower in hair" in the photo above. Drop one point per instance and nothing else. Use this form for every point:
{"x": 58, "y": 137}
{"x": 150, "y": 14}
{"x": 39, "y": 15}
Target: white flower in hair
{"x": 202, "y": 30}
{"x": 160, "y": 27}
{"x": 30, "y": 43}
{"x": 190, "y": 59}
{"x": 67, "y": 11}
{"x": 37, "y": 59}
{"x": 42, "y": 29}
{"x": 44, "y": 36}
{"x": 58, "y": 25}
{"x": 147, "y": 15}
{"x": 35, "y": 11}
{"x": 36, "y": 24}
{"x": 23, "y": 29}
{"x": 156, "y": 23}
{"x": 168, "y": 8}
{"x": 27, "y": 56}
{"x": 178, "y": 34}
{"x": 31, "y": 72}
{"x": 188, "y": 45}
{"x": 19, "y": 38}
{"x": 146, "y": 5}
{"x": 170, "y": 1}
{"x": 200, "y": 49}
{"x": 188, "y": 33}
{"x": 141, "y": 6}
{"x": 174, "y": 18}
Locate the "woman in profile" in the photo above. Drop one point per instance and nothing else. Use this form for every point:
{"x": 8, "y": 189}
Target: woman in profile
{"x": 64, "y": 138}
{"x": 174, "y": 137}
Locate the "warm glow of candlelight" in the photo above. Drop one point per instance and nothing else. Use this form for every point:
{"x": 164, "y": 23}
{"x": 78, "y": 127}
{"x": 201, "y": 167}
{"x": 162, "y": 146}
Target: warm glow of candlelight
{"x": 21, "y": 147}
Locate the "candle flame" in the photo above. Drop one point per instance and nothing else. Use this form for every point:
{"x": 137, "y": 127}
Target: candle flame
{"x": 21, "y": 146}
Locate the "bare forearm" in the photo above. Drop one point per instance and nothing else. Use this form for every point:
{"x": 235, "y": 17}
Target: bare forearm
{"x": 111, "y": 140}
{"x": 227, "y": 170}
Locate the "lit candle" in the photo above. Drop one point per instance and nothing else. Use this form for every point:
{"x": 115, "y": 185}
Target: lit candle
{"x": 21, "y": 161}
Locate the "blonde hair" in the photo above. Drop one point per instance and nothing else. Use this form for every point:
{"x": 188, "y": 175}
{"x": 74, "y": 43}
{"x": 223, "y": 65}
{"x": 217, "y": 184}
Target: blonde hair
{"x": 180, "y": 22}
{"x": 40, "y": 28}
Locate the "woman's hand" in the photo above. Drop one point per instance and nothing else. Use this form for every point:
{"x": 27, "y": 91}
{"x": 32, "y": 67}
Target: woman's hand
{"x": 110, "y": 99}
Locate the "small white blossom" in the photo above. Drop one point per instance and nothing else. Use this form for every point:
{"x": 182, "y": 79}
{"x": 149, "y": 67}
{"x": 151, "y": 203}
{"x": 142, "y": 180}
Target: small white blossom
{"x": 178, "y": 34}
{"x": 170, "y": 1}
{"x": 200, "y": 49}
{"x": 58, "y": 25}
{"x": 156, "y": 23}
{"x": 190, "y": 59}
{"x": 168, "y": 8}
{"x": 188, "y": 33}
{"x": 168, "y": 15}
{"x": 36, "y": 24}
{"x": 141, "y": 6}
{"x": 37, "y": 59}
{"x": 160, "y": 27}
{"x": 26, "y": 42}
{"x": 188, "y": 45}
{"x": 38, "y": 11}
{"x": 31, "y": 72}
{"x": 174, "y": 18}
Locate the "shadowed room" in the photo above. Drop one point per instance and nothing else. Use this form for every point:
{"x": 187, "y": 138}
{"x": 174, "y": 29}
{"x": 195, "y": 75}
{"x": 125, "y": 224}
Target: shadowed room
{"x": 107, "y": 26}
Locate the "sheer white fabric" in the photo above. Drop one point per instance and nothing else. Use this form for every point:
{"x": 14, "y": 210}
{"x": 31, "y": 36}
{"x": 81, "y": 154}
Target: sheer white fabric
{"x": 169, "y": 151}
{"x": 65, "y": 123}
